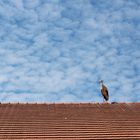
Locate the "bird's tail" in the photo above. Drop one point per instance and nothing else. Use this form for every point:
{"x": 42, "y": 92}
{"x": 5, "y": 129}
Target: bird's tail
{"x": 106, "y": 98}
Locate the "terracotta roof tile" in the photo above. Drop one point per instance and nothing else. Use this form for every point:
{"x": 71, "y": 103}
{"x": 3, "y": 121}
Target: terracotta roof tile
{"x": 84, "y": 121}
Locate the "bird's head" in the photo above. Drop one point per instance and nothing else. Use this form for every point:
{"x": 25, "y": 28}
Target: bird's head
{"x": 100, "y": 81}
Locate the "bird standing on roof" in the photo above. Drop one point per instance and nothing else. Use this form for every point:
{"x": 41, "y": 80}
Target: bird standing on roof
{"x": 104, "y": 91}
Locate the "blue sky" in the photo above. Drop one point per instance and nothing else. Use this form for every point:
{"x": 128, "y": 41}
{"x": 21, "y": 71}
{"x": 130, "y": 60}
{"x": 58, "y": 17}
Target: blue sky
{"x": 58, "y": 50}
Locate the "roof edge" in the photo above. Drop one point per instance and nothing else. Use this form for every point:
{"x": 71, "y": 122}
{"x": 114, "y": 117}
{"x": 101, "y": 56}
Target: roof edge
{"x": 67, "y": 103}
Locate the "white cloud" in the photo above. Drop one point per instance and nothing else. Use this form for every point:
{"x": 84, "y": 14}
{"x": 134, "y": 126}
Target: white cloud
{"x": 18, "y": 3}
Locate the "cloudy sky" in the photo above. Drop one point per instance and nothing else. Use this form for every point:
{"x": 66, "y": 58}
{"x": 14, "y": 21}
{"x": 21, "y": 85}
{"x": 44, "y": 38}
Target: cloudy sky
{"x": 58, "y": 50}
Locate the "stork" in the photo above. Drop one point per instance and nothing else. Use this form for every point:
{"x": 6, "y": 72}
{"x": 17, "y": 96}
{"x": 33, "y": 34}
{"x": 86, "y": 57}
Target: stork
{"x": 104, "y": 91}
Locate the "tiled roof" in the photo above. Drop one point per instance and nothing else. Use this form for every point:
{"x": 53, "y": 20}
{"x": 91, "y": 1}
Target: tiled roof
{"x": 85, "y": 121}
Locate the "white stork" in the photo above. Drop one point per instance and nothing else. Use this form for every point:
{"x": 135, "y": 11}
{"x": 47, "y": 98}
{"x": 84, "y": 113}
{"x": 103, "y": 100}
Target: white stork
{"x": 104, "y": 91}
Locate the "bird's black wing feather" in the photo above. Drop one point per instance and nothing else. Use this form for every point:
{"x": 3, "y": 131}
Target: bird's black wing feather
{"x": 107, "y": 92}
{"x": 107, "y": 95}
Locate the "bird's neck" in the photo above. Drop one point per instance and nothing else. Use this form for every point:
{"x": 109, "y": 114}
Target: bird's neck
{"x": 101, "y": 84}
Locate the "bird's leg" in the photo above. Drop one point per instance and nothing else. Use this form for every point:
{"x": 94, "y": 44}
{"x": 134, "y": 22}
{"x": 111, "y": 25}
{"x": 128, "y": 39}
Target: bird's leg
{"x": 106, "y": 101}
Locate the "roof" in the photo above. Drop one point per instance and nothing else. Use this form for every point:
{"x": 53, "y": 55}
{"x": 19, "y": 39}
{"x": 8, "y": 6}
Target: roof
{"x": 84, "y": 121}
